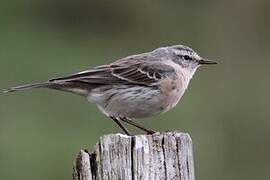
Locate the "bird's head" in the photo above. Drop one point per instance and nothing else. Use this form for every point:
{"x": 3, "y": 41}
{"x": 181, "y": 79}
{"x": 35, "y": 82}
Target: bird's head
{"x": 187, "y": 57}
{"x": 184, "y": 56}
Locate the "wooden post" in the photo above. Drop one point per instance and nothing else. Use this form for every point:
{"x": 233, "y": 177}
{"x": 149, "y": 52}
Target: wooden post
{"x": 159, "y": 156}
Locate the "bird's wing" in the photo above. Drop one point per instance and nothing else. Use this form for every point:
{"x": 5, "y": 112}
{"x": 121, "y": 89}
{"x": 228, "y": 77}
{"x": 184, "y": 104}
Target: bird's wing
{"x": 123, "y": 72}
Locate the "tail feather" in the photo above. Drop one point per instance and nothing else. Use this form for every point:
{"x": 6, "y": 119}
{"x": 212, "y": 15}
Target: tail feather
{"x": 77, "y": 87}
{"x": 25, "y": 87}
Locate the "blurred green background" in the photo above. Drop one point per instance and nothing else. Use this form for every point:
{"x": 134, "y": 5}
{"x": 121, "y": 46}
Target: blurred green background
{"x": 226, "y": 108}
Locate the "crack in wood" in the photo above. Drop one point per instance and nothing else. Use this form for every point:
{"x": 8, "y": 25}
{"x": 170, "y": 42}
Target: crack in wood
{"x": 132, "y": 157}
{"x": 164, "y": 154}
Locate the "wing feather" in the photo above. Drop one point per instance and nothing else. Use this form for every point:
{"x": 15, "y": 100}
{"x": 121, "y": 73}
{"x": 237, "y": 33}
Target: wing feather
{"x": 121, "y": 72}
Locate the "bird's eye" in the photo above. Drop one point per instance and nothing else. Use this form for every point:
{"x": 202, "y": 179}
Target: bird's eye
{"x": 187, "y": 58}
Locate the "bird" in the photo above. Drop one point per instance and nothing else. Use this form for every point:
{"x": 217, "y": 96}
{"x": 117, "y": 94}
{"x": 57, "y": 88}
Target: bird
{"x": 133, "y": 87}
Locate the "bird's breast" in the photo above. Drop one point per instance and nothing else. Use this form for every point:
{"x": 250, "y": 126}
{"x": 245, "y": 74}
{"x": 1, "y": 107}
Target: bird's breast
{"x": 172, "y": 90}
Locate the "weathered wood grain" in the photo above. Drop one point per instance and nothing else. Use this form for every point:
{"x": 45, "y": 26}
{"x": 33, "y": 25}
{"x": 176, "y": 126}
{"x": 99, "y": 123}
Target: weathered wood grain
{"x": 165, "y": 156}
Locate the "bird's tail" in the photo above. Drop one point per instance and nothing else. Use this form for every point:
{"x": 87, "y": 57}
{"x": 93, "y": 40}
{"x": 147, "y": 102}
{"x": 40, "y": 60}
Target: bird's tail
{"x": 80, "y": 88}
{"x": 26, "y": 87}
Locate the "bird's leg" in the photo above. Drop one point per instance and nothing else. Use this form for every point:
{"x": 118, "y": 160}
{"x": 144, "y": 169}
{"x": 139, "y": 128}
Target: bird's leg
{"x": 129, "y": 121}
{"x": 116, "y": 120}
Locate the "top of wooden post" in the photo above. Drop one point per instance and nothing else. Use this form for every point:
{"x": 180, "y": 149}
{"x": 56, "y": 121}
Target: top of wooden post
{"x": 165, "y": 155}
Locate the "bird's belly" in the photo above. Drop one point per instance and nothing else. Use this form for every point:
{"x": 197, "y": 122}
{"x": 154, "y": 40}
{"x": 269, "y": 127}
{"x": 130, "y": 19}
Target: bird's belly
{"x": 133, "y": 102}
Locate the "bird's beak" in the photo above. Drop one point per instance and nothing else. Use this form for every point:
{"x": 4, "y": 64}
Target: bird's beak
{"x": 207, "y": 61}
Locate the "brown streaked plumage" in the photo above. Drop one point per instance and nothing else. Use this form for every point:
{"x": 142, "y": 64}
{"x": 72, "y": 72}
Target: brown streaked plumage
{"x": 137, "y": 86}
